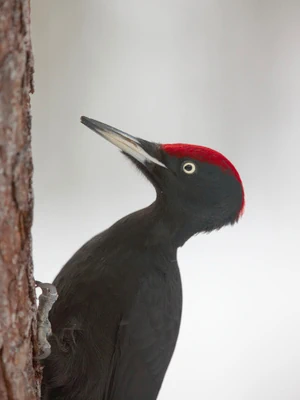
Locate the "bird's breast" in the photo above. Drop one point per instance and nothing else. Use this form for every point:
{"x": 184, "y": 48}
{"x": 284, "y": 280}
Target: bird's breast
{"x": 153, "y": 323}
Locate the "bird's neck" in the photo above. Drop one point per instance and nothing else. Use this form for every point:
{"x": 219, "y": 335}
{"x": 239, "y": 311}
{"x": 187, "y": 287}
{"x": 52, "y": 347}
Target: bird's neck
{"x": 165, "y": 226}
{"x": 158, "y": 227}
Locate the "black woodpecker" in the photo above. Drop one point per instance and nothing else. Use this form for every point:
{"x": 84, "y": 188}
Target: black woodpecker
{"x": 116, "y": 321}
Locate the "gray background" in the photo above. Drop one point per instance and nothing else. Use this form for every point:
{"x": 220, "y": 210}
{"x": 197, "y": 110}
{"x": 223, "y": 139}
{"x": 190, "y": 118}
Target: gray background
{"x": 224, "y": 74}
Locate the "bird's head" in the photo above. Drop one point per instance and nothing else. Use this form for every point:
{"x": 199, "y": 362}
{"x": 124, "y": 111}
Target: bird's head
{"x": 195, "y": 183}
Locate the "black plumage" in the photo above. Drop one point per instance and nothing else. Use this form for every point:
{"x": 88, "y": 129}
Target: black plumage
{"x": 117, "y": 318}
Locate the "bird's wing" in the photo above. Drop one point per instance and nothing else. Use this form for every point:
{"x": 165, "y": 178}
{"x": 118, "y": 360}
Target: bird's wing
{"x": 94, "y": 294}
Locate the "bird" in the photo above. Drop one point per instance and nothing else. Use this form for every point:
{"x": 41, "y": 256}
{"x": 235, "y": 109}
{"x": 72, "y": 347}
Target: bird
{"x": 117, "y": 318}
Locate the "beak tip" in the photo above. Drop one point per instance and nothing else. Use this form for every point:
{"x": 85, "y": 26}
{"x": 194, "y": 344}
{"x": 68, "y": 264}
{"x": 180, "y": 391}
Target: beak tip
{"x": 83, "y": 119}
{"x": 88, "y": 122}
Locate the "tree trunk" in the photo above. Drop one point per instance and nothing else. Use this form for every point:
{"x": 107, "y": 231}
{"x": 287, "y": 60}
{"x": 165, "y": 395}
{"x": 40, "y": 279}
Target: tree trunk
{"x": 19, "y": 373}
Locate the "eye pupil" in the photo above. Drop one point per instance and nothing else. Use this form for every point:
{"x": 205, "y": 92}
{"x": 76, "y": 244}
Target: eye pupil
{"x": 189, "y": 168}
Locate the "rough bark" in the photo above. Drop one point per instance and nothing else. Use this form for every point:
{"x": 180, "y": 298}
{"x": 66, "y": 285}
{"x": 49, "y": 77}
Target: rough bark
{"x": 19, "y": 374}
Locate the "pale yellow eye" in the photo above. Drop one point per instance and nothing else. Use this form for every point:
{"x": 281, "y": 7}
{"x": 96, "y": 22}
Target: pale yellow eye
{"x": 189, "y": 167}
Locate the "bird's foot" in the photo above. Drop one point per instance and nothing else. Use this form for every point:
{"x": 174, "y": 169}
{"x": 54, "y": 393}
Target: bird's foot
{"x": 46, "y": 300}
